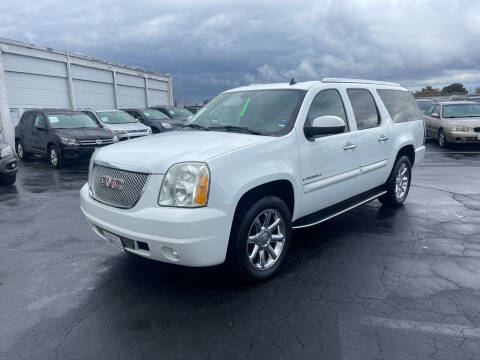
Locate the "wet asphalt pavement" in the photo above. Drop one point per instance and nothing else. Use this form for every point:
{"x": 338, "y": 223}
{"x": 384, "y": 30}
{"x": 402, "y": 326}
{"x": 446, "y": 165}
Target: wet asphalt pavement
{"x": 373, "y": 283}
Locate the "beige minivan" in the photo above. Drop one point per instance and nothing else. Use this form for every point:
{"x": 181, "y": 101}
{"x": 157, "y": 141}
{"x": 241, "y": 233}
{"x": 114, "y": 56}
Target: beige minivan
{"x": 453, "y": 122}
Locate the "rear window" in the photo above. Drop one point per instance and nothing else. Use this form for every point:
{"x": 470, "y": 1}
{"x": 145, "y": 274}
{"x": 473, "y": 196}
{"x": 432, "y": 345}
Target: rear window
{"x": 400, "y": 104}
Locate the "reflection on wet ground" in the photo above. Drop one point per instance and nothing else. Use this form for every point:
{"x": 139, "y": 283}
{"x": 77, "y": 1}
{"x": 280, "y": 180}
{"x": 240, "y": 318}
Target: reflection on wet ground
{"x": 373, "y": 283}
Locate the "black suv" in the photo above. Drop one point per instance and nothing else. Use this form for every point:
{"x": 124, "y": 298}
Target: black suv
{"x": 59, "y": 134}
{"x": 173, "y": 112}
{"x": 158, "y": 121}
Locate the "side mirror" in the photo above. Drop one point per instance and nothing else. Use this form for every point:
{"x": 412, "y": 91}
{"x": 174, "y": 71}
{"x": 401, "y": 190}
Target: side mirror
{"x": 40, "y": 128}
{"x": 325, "y": 125}
{"x": 435, "y": 115}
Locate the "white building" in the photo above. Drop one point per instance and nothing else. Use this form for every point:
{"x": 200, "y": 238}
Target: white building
{"x": 38, "y": 77}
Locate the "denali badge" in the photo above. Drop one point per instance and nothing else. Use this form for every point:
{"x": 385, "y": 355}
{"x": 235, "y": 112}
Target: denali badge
{"x": 112, "y": 183}
{"x": 99, "y": 142}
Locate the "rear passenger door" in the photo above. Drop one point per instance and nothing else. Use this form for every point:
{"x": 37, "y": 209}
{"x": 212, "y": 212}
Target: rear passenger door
{"x": 374, "y": 140}
{"x": 328, "y": 163}
{"x": 26, "y": 130}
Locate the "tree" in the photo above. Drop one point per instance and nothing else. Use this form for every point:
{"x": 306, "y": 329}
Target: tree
{"x": 454, "y": 88}
{"x": 427, "y": 91}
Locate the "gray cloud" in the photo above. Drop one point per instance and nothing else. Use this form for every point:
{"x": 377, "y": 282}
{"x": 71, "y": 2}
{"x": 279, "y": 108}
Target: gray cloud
{"x": 210, "y": 46}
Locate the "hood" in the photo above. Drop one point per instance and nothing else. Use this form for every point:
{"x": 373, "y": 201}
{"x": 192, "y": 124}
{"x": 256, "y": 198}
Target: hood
{"x": 85, "y": 133}
{"x": 126, "y": 126}
{"x": 156, "y": 153}
{"x": 469, "y": 121}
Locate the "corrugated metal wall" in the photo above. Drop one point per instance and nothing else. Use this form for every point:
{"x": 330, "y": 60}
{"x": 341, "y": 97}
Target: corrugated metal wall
{"x": 38, "y": 77}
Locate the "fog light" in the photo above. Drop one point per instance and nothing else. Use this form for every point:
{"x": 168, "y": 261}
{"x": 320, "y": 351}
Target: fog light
{"x": 170, "y": 253}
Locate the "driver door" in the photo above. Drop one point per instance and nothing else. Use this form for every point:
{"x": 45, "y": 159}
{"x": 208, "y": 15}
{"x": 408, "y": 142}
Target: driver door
{"x": 329, "y": 166}
{"x": 40, "y": 137}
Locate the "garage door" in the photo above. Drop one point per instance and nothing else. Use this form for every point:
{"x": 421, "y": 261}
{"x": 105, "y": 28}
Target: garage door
{"x": 36, "y": 91}
{"x": 157, "y": 92}
{"x": 93, "y": 88}
{"x": 130, "y": 97}
{"x": 35, "y": 83}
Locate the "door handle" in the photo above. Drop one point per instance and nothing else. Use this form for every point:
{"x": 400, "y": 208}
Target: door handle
{"x": 349, "y": 146}
{"x": 383, "y": 138}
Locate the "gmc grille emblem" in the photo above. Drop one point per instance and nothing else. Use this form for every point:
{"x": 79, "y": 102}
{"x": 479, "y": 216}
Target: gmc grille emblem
{"x": 112, "y": 183}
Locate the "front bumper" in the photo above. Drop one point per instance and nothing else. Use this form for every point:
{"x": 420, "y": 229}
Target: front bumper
{"x": 78, "y": 151}
{"x": 8, "y": 165}
{"x": 199, "y": 236}
{"x": 463, "y": 137}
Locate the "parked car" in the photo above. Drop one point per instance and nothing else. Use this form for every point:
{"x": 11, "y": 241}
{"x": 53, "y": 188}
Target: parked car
{"x": 257, "y": 162}
{"x": 174, "y": 112}
{"x": 474, "y": 99}
{"x": 8, "y": 164}
{"x": 156, "y": 120}
{"x": 423, "y": 104}
{"x": 453, "y": 122}
{"x": 59, "y": 135}
{"x": 119, "y": 123}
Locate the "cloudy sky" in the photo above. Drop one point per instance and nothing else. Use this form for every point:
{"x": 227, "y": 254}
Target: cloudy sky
{"x": 209, "y": 46}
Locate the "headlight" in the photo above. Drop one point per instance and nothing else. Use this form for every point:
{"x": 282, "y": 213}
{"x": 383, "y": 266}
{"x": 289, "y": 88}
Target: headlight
{"x": 149, "y": 130}
{"x": 461, "y": 128}
{"x": 166, "y": 125}
{"x": 69, "y": 141}
{"x": 6, "y": 151}
{"x": 185, "y": 185}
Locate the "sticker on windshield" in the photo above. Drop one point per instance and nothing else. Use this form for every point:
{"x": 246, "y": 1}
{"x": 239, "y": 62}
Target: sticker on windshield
{"x": 283, "y": 122}
{"x": 147, "y": 113}
{"x": 104, "y": 118}
{"x": 244, "y": 107}
{"x": 53, "y": 119}
{"x": 171, "y": 112}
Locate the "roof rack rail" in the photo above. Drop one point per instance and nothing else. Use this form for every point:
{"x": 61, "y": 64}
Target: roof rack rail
{"x": 362, "y": 81}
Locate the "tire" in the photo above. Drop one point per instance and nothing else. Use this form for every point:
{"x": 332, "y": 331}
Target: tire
{"x": 8, "y": 180}
{"x": 442, "y": 139}
{"x": 398, "y": 184}
{"x": 55, "y": 157}
{"x": 252, "y": 241}
{"x": 21, "y": 153}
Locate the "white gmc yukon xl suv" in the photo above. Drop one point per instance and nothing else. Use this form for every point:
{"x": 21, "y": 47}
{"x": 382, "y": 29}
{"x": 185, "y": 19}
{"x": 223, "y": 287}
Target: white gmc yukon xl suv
{"x": 253, "y": 164}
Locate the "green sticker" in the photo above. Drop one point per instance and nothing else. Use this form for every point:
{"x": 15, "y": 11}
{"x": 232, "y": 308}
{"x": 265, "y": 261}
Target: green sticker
{"x": 244, "y": 107}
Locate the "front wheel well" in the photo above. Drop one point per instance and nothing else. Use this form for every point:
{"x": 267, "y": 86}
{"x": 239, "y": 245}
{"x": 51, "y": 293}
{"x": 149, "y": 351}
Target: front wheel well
{"x": 408, "y": 151}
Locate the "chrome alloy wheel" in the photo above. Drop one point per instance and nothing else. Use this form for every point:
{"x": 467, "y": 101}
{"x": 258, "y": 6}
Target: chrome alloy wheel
{"x": 401, "y": 182}
{"x": 266, "y": 239}
{"x": 53, "y": 157}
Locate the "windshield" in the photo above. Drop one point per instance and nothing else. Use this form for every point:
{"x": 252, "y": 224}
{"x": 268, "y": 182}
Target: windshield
{"x": 424, "y": 104}
{"x": 71, "y": 121}
{"x": 115, "y": 117}
{"x": 269, "y": 112}
{"x": 179, "y": 112}
{"x": 152, "y": 114}
{"x": 461, "y": 110}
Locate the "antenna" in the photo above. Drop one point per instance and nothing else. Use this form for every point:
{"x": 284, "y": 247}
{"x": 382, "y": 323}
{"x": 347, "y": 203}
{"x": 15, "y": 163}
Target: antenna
{"x": 292, "y": 81}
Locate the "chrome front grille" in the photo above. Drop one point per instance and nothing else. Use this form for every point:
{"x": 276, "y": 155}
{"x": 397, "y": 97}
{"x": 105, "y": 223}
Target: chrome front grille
{"x": 96, "y": 142}
{"x": 116, "y": 187}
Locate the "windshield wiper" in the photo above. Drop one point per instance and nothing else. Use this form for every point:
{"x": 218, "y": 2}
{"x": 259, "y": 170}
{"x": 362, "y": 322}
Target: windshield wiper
{"x": 235, "y": 128}
{"x": 195, "y": 126}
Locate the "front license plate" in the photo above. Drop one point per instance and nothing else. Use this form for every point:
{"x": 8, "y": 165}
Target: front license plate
{"x": 113, "y": 240}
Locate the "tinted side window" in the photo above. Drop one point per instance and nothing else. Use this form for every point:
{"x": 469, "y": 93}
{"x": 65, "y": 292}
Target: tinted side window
{"x": 400, "y": 104}
{"x": 436, "y": 109}
{"x": 364, "y": 108}
{"x": 327, "y": 102}
{"x": 40, "y": 121}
